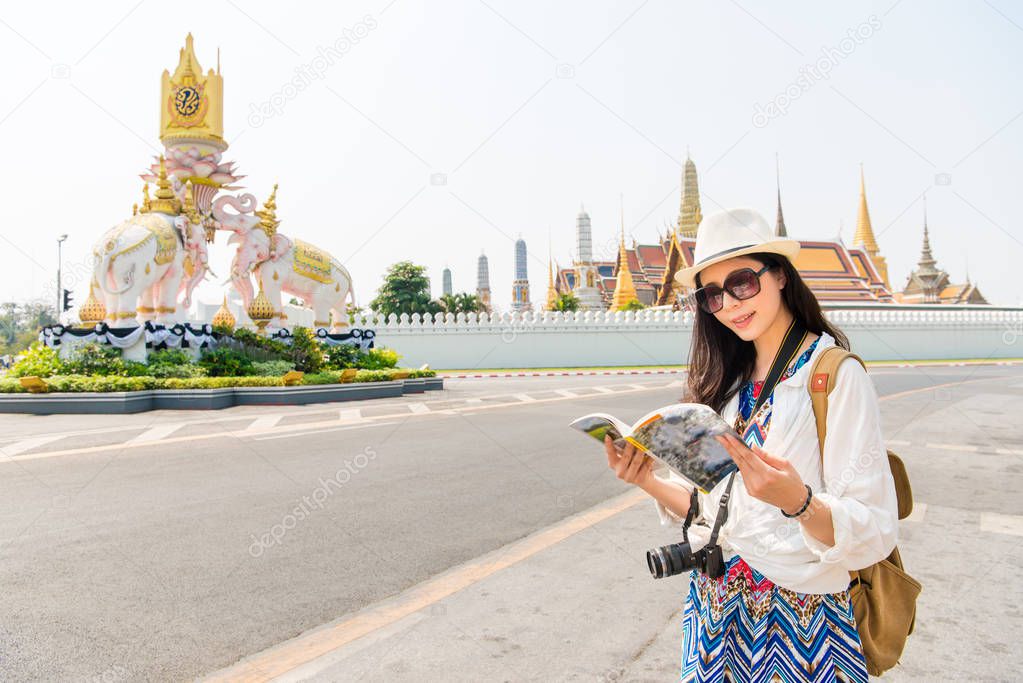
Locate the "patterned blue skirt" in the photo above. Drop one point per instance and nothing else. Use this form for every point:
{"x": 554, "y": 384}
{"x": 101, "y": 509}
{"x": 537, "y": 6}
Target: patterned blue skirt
{"x": 742, "y": 627}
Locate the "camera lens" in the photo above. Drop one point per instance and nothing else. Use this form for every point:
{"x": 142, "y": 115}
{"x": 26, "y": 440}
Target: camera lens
{"x": 669, "y": 560}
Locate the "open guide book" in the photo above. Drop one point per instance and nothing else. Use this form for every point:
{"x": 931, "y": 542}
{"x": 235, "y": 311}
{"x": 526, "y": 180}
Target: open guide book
{"x": 681, "y": 436}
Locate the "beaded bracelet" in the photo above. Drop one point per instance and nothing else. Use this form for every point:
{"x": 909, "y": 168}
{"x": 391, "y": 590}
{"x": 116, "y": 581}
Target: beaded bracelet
{"x": 809, "y": 497}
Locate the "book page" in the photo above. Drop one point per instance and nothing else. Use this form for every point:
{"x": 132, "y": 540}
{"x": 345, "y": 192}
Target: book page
{"x": 682, "y": 437}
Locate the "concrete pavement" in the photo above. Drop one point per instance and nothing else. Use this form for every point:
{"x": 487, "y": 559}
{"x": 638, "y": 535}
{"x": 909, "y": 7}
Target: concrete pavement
{"x": 166, "y": 559}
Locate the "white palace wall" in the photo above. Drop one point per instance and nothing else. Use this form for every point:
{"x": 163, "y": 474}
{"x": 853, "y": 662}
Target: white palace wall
{"x": 662, "y": 337}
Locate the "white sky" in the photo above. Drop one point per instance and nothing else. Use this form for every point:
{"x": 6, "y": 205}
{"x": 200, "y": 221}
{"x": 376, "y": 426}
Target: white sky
{"x": 471, "y": 89}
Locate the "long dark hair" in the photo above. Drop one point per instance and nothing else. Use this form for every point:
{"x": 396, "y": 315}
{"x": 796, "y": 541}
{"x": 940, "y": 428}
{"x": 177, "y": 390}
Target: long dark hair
{"x": 718, "y": 357}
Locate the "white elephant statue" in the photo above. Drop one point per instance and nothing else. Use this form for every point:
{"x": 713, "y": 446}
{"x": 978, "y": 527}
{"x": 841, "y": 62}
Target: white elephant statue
{"x": 282, "y": 264}
{"x": 144, "y": 263}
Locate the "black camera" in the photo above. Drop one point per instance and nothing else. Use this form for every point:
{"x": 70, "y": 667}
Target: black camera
{"x": 670, "y": 560}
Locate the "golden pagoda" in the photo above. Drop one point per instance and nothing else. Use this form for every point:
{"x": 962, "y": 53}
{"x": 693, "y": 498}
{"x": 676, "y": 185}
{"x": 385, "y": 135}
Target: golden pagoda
{"x": 864, "y": 237}
{"x": 689, "y": 215}
{"x": 192, "y": 105}
{"x": 625, "y": 289}
{"x": 223, "y": 317}
{"x": 92, "y": 312}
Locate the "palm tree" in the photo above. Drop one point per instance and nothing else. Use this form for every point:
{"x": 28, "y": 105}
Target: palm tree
{"x": 566, "y": 302}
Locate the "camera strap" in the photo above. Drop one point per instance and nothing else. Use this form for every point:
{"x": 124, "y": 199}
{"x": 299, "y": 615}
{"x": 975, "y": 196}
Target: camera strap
{"x": 790, "y": 346}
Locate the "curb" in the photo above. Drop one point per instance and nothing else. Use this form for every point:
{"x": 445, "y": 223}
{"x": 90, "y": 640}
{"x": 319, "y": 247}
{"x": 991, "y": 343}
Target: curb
{"x": 130, "y": 402}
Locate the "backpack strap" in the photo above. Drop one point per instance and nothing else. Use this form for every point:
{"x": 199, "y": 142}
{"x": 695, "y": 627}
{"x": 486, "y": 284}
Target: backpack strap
{"x": 822, "y": 380}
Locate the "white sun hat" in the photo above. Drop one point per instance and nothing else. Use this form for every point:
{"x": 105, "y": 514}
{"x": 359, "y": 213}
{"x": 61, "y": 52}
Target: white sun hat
{"x": 731, "y": 233}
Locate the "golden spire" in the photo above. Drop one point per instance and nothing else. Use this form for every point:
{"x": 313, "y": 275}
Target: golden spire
{"x": 166, "y": 201}
{"x": 192, "y": 105}
{"x": 552, "y": 290}
{"x": 268, "y": 215}
{"x": 689, "y": 214}
{"x": 223, "y": 317}
{"x": 779, "y": 227}
{"x": 864, "y": 235}
{"x": 625, "y": 290}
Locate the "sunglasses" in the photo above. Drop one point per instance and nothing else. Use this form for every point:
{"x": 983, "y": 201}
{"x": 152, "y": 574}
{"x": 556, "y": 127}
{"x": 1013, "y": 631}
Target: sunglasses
{"x": 741, "y": 284}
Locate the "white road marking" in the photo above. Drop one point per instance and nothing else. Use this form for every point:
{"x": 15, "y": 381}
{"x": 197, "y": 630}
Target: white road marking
{"x": 1009, "y": 451}
{"x": 317, "y": 431}
{"x": 525, "y": 398}
{"x": 897, "y": 442}
{"x": 264, "y": 422}
{"x": 996, "y": 523}
{"x": 28, "y": 444}
{"x": 349, "y": 415}
{"x": 566, "y": 393}
{"x": 952, "y": 447}
{"x": 474, "y": 400}
{"x": 418, "y": 408}
{"x": 918, "y": 514}
{"x": 638, "y": 386}
{"x": 157, "y": 433}
{"x": 603, "y": 390}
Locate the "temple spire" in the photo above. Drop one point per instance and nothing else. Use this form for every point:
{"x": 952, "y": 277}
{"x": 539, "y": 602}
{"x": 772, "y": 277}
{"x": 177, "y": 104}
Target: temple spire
{"x": 689, "y": 213}
{"x": 779, "y": 226}
{"x": 864, "y": 231}
{"x": 927, "y": 260}
{"x": 625, "y": 289}
{"x": 864, "y": 235}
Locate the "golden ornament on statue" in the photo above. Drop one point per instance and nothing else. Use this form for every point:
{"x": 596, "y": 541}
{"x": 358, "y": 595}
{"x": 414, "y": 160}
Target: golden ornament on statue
{"x": 223, "y": 316}
{"x": 261, "y": 310}
{"x": 92, "y": 311}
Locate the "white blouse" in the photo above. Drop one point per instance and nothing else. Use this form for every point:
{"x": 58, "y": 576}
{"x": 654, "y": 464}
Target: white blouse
{"x": 857, "y": 485}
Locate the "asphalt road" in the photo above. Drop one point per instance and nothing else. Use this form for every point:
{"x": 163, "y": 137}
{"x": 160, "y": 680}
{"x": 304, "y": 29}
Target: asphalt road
{"x": 167, "y": 545}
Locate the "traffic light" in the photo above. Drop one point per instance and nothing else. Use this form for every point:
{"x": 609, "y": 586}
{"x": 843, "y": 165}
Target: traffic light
{"x": 67, "y": 300}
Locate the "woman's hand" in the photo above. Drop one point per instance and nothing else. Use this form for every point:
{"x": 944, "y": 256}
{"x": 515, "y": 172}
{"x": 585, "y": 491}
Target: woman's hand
{"x": 630, "y": 464}
{"x": 767, "y": 478}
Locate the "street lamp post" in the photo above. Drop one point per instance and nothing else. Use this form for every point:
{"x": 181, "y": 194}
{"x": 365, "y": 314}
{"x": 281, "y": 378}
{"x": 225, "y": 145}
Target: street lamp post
{"x": 60, "y": 290}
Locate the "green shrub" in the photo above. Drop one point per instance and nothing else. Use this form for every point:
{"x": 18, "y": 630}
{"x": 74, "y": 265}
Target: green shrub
{"x": 169, "y": 357}
{"x": 323, "y": 377}
{"x": 98, "y": 360}
{"x": 379, "y": 359}
{"x": 217, "y": 382}
{"x": 101, "y": 383}
{"x": 343, "y": 356}
{"x": 306, "y": 351}
{"x": 161, "y": 370}
{"x": 226, "y": 362}
{"x": 39, "y": 360}
{"x": 272, "y": 368}
{"x": 10, "y": 385}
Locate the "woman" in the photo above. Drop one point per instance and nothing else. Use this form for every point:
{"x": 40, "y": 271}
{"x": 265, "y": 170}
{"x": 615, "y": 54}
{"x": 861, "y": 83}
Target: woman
{"x": 795, "y": 528}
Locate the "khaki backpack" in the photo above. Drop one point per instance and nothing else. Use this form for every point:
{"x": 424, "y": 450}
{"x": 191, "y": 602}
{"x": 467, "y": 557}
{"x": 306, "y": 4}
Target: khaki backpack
{"x": 883, "y": 594}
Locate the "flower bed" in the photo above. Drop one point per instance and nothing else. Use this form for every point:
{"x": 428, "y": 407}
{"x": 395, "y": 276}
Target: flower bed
{"x": 108, "y": 383}
{"x": 243, "y": 360}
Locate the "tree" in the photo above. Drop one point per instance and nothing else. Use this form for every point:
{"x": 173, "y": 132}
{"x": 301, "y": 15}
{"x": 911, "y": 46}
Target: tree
{"x": 463, "y": 302}
{"x": 20, "y": 324}
{"x": 632, "y": 305}
{"x": 566, "y": 302}
{"x": 406, "y": 289}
